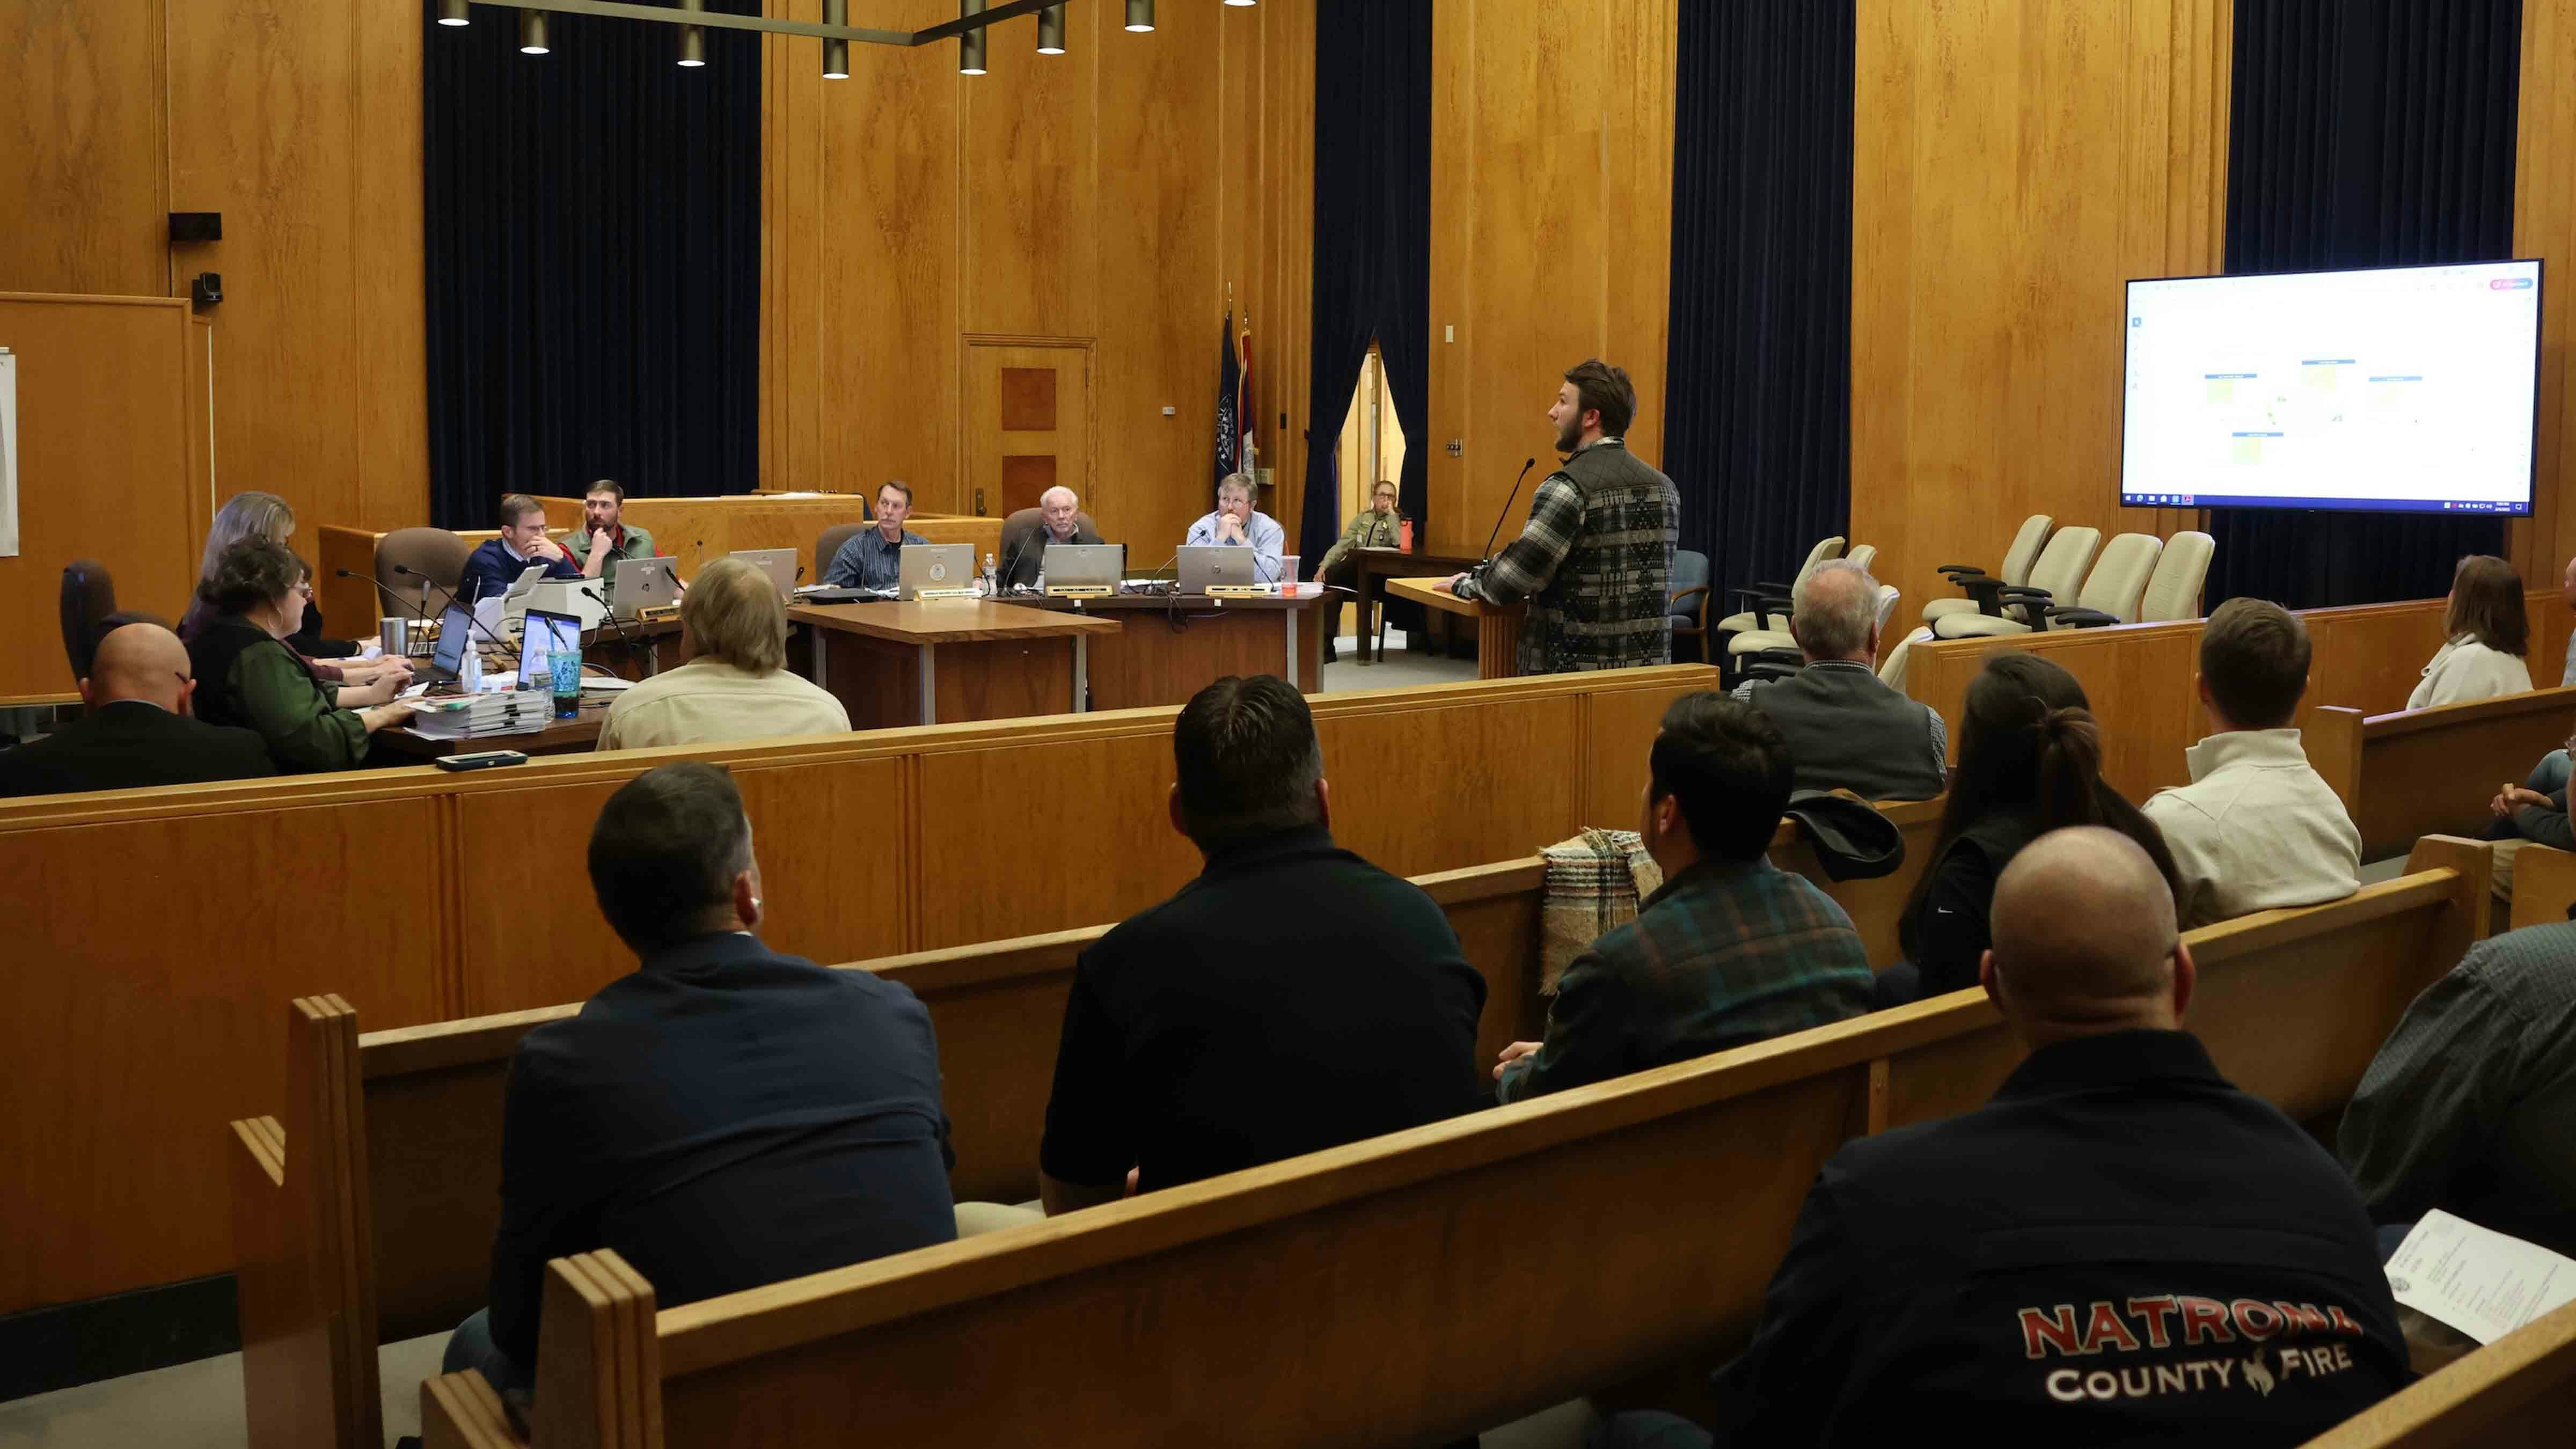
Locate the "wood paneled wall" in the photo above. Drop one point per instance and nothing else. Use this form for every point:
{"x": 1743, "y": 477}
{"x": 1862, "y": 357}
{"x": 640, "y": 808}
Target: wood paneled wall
{"x": 299, "y": 121}
{"x": 2013, "y": 165}
{"x": 2544, "y": 225}
{"x": 1551, "y": 233}
{"x": 1110, "y": 197}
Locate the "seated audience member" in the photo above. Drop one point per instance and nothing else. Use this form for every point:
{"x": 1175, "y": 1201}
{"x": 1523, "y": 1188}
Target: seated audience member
{"x": 1730, "y": 950}
{"x": 496, "y": 563}
{"x": 138, "y": 731}
{"x": 1293, "y": 997}
{"x": 248, "y": 678}
{"x": 265, "y": 515}
{"x": 605, "y": 536}
{"x": 1846, "y": 730}
{"x": 2489, "y": 634}
{"x": 2471, "y": 1105}
{"x": 2030, "y": 761}
{"x": 1377, "y": 526}
{"x": 2119, "y": 1248}
{"x": 1235, "y": 524}
{"x": 736, "y": 685}
{"x": 724, "y": 1116}
{"x": 873, "y": 557}
{"x": 2257, "y": 828}
{"x": 2567, "y": 591}
{"x": 1059, "y": 520}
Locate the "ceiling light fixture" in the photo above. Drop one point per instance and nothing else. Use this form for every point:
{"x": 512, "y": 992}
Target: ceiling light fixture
{"x": 970, "y": 46}
{"x": 1140, "y": 15}
{"x": 532, "y": 33}
{"x": 1051, "y": 30}
{"x": 836, "y": 52}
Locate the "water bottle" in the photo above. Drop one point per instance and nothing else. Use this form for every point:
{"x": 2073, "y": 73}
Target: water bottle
{"x": 567, "y": 684}
{"x": 992, "y": 579}
{"x": 1041, "y": 578}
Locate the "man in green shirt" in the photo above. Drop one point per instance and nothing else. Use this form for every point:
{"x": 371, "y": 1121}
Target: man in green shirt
{"x": 605, "y": 534}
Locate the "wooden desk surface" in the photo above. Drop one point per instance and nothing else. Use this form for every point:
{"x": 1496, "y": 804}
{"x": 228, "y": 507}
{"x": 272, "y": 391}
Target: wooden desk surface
{"x": 1427, "y": 593}
{"x": 946, "y": 622}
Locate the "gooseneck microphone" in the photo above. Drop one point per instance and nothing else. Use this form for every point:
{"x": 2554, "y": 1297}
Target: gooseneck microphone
{"x": 616, "y": 625}
{"x": 1507, "y": 510}
{"x": 399, "y": 601}
{"x": 427, "y": 582}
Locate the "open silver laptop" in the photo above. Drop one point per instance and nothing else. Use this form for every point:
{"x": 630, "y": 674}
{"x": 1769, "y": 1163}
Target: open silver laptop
{"x": 778, "y": 563}
{"x": 935, "y": 566}
{"x": 1084, "y": 565}
{"x": 1209, "y": 565}
{"x": 636, "y": 584}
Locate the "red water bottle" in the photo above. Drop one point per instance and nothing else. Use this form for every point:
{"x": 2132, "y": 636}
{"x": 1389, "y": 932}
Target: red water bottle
{"x": 1404, "y": 535}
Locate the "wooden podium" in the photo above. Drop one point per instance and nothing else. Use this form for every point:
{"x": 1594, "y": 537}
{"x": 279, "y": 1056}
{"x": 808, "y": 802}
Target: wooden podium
{"x": 1498, "y": 626}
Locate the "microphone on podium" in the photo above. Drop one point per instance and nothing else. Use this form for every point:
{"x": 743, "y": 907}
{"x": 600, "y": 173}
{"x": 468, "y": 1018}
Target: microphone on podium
{"x": 1507, "y": 509}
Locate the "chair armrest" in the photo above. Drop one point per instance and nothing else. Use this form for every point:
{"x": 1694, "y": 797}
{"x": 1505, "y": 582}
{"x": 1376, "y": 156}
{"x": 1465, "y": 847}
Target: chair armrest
{"x": 1674, "y": 603}
{"x": 1988, "y": 594}
{"x": 2024, "y": 594}
{"x": 1789, "y": 657}
{"x": 1959, "y": 572}
{"x": 2074, "y": 617}
{"x": 1771, "y": 673}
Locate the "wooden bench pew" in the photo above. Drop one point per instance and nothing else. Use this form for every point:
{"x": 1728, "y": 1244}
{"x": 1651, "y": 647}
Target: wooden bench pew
{"x": 1875, "y": 906}
{"x": 2432, "y": 771}
{"x": 382, "y": 1183}
{"x": 1416, "y": 1286}
{"x": 177, "y": 923}
{"x": 2516, "y": 1393}
{"x": 2544, "y": 886}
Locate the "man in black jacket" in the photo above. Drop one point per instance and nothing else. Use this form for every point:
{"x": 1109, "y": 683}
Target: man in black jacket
{"x": 724, "y": 1117}
{"x": 138, "y": 731}
{"x": 2120, "y": 1248}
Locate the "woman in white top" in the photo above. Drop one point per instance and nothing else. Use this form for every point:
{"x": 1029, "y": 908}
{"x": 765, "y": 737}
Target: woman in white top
{"x": 737, "y": 686}
{"x": 2489, "y": 636}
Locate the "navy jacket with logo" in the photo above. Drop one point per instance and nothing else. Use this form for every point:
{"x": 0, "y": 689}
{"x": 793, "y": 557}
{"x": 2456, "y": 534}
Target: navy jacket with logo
{"x": 2120, "y": 1248}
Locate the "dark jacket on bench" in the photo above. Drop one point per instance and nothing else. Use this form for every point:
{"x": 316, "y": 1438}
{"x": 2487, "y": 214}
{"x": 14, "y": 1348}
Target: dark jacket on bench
{"x": 724, "y": 1117}
{"x": 2120, "y": 1248}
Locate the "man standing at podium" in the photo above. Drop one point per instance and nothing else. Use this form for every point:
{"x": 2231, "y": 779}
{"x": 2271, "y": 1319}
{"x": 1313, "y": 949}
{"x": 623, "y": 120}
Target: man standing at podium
{"x": 1596, "y": 559}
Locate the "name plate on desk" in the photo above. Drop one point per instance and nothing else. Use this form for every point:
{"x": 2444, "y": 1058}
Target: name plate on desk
{"x": 1242, "y": 591}
{"x": 656, "y": 613}
{"x": 947, "y": 596}
{"x": 1081, "y": 591}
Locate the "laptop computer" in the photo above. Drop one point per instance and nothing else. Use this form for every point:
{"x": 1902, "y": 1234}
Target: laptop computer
{"x": 1084, "y": 565}
{"x": 545, "y": 635}
{"x": 636, "y": 584}
{"x": 1209, "y": 565}
{"x": 935, "y": 566}
{"x": 779, "y": 563}
{"x": 447, "y": 657}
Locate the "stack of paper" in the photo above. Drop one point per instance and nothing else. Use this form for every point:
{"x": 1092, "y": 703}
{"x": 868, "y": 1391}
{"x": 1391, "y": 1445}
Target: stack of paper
{"x": 2478, "y": 1281}
{"x": 509, "y": 712}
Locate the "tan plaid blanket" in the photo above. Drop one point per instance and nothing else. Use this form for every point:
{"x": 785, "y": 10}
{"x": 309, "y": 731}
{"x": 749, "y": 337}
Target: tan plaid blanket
{"x": 1594, "y": 883}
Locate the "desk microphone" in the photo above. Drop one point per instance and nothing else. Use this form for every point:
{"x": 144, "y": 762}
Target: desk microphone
{"x": 427, "y": 582}
{"x": 616, "y": 625}
{"x": 1507, "y": 511}
{"x": 422, "y": 608}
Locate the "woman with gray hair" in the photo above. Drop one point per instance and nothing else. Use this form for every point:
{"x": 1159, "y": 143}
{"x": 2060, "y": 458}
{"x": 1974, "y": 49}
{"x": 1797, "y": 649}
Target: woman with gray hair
{"x": 267, "y": 517}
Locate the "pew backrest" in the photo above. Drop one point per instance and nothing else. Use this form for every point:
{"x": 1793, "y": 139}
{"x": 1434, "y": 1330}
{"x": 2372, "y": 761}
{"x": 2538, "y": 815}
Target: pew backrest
{"x": 1422, "y": 1277}
{"x": 2544, "y": 886}
{"x": 1876, "y": 906}
{"x": 2518, "y": 1392}
{"x": 2432, "y": 771}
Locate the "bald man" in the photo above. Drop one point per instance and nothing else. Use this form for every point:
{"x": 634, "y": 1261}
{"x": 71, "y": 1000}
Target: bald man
{"x": 138, "y": 730}
{"x": 2120, "y": 1248}
{"x": 1846, "y": 730}
{"x": 1058, "y": 518}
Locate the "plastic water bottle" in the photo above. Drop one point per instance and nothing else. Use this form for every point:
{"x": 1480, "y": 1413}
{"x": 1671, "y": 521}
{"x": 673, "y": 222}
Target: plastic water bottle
{"x": 992, "y": 579}
{"x": 1041, "y": 578}
{"x": 469, "y": 670}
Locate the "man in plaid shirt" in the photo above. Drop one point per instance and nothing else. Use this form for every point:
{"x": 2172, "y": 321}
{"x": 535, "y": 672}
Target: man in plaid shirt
{"x": 1596, "y": 559}
{"x": 1731, "y": 950}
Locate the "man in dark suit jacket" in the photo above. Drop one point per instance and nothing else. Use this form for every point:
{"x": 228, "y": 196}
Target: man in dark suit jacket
{"x": 1058, "y": 518}
{"x": 724, "y": 1117}
{"x": 138, "y": 731}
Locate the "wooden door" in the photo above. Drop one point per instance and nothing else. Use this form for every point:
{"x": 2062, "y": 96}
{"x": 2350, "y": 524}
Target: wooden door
{"x": 1028, "y": 426}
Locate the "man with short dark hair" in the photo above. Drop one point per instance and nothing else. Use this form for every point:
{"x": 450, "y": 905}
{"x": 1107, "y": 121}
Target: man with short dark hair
{"x": 873, "y": 557}
{"x": 496, "y": 563}
{"x": 138, "y": 730}
{"x": 725, "y": 1116}
{"x": 1595, "y": 560}
{"x": 1846, "y": 729}
{"x": 605, "y": 536}
{"x": 2119, "y": 1248}
{"x": 1730, "y": 950}
{"x": 2257, "y": 828}
{"x": 1292, "y": 998}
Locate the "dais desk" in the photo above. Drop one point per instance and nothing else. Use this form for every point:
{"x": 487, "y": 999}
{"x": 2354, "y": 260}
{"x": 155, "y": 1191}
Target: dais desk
{"x": 893, "y": 663}
{"x": 1170, "y": 646}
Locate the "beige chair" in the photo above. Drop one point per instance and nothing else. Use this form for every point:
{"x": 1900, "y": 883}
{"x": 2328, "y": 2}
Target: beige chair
{"x": 2015, "y": 571}
{"x": 2117, "y": 580}
{"x": 2174, "y": 592}
{"x": 1754, "y": 641}
{"x": 1831, "y": 548}
{"x": 1863, "y": 554}
{"x": 431, "y": 553}
{"x": 1891, "y": 669}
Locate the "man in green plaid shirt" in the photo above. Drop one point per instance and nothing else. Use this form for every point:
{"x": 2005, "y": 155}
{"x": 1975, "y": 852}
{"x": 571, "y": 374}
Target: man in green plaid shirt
{"x": 1595, "y": 561}
{"x": 1732, "y": 950}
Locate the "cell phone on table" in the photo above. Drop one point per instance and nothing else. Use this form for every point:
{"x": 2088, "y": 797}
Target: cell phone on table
{"x": 481, "y": 760}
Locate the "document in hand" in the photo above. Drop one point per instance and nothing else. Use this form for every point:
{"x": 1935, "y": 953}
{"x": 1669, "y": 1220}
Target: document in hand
{"x": 2482, "y": 1283}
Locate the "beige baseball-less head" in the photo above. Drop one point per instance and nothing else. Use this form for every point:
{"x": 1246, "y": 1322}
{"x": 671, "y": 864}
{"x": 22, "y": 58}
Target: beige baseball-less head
{"x": 140, "y": 661}
{"x": 2085, "y": 941}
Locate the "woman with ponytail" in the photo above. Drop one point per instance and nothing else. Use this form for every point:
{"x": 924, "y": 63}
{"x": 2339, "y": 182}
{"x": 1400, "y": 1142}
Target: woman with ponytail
{"x": 2030, "y": 761}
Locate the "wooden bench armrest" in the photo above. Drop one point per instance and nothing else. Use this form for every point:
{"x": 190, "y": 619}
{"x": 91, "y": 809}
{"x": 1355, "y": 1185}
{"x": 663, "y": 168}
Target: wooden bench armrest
{"x": 460, "y": 1411}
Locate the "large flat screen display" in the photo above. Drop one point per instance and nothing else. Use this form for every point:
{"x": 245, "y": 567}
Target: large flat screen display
{"x": 2393, "y": 390}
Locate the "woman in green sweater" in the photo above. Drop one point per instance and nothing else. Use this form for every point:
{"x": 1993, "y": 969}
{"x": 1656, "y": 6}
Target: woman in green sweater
{"x": 247, "y": 676}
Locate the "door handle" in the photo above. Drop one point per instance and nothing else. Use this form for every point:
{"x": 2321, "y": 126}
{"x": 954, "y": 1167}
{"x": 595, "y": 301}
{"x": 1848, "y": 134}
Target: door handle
{"x": 979, "y": 503}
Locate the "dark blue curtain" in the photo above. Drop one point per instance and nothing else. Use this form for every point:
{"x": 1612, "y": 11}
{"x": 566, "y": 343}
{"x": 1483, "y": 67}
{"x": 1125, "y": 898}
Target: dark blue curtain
{"x": 592, "y": 224}
{"x": 2364, "y": 133}
{"x": 1372, "y": 242}
{"x": 1758, "y": 394}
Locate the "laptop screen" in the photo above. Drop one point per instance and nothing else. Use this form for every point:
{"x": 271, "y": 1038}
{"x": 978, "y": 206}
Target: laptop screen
{"x": 453, "y": 627}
